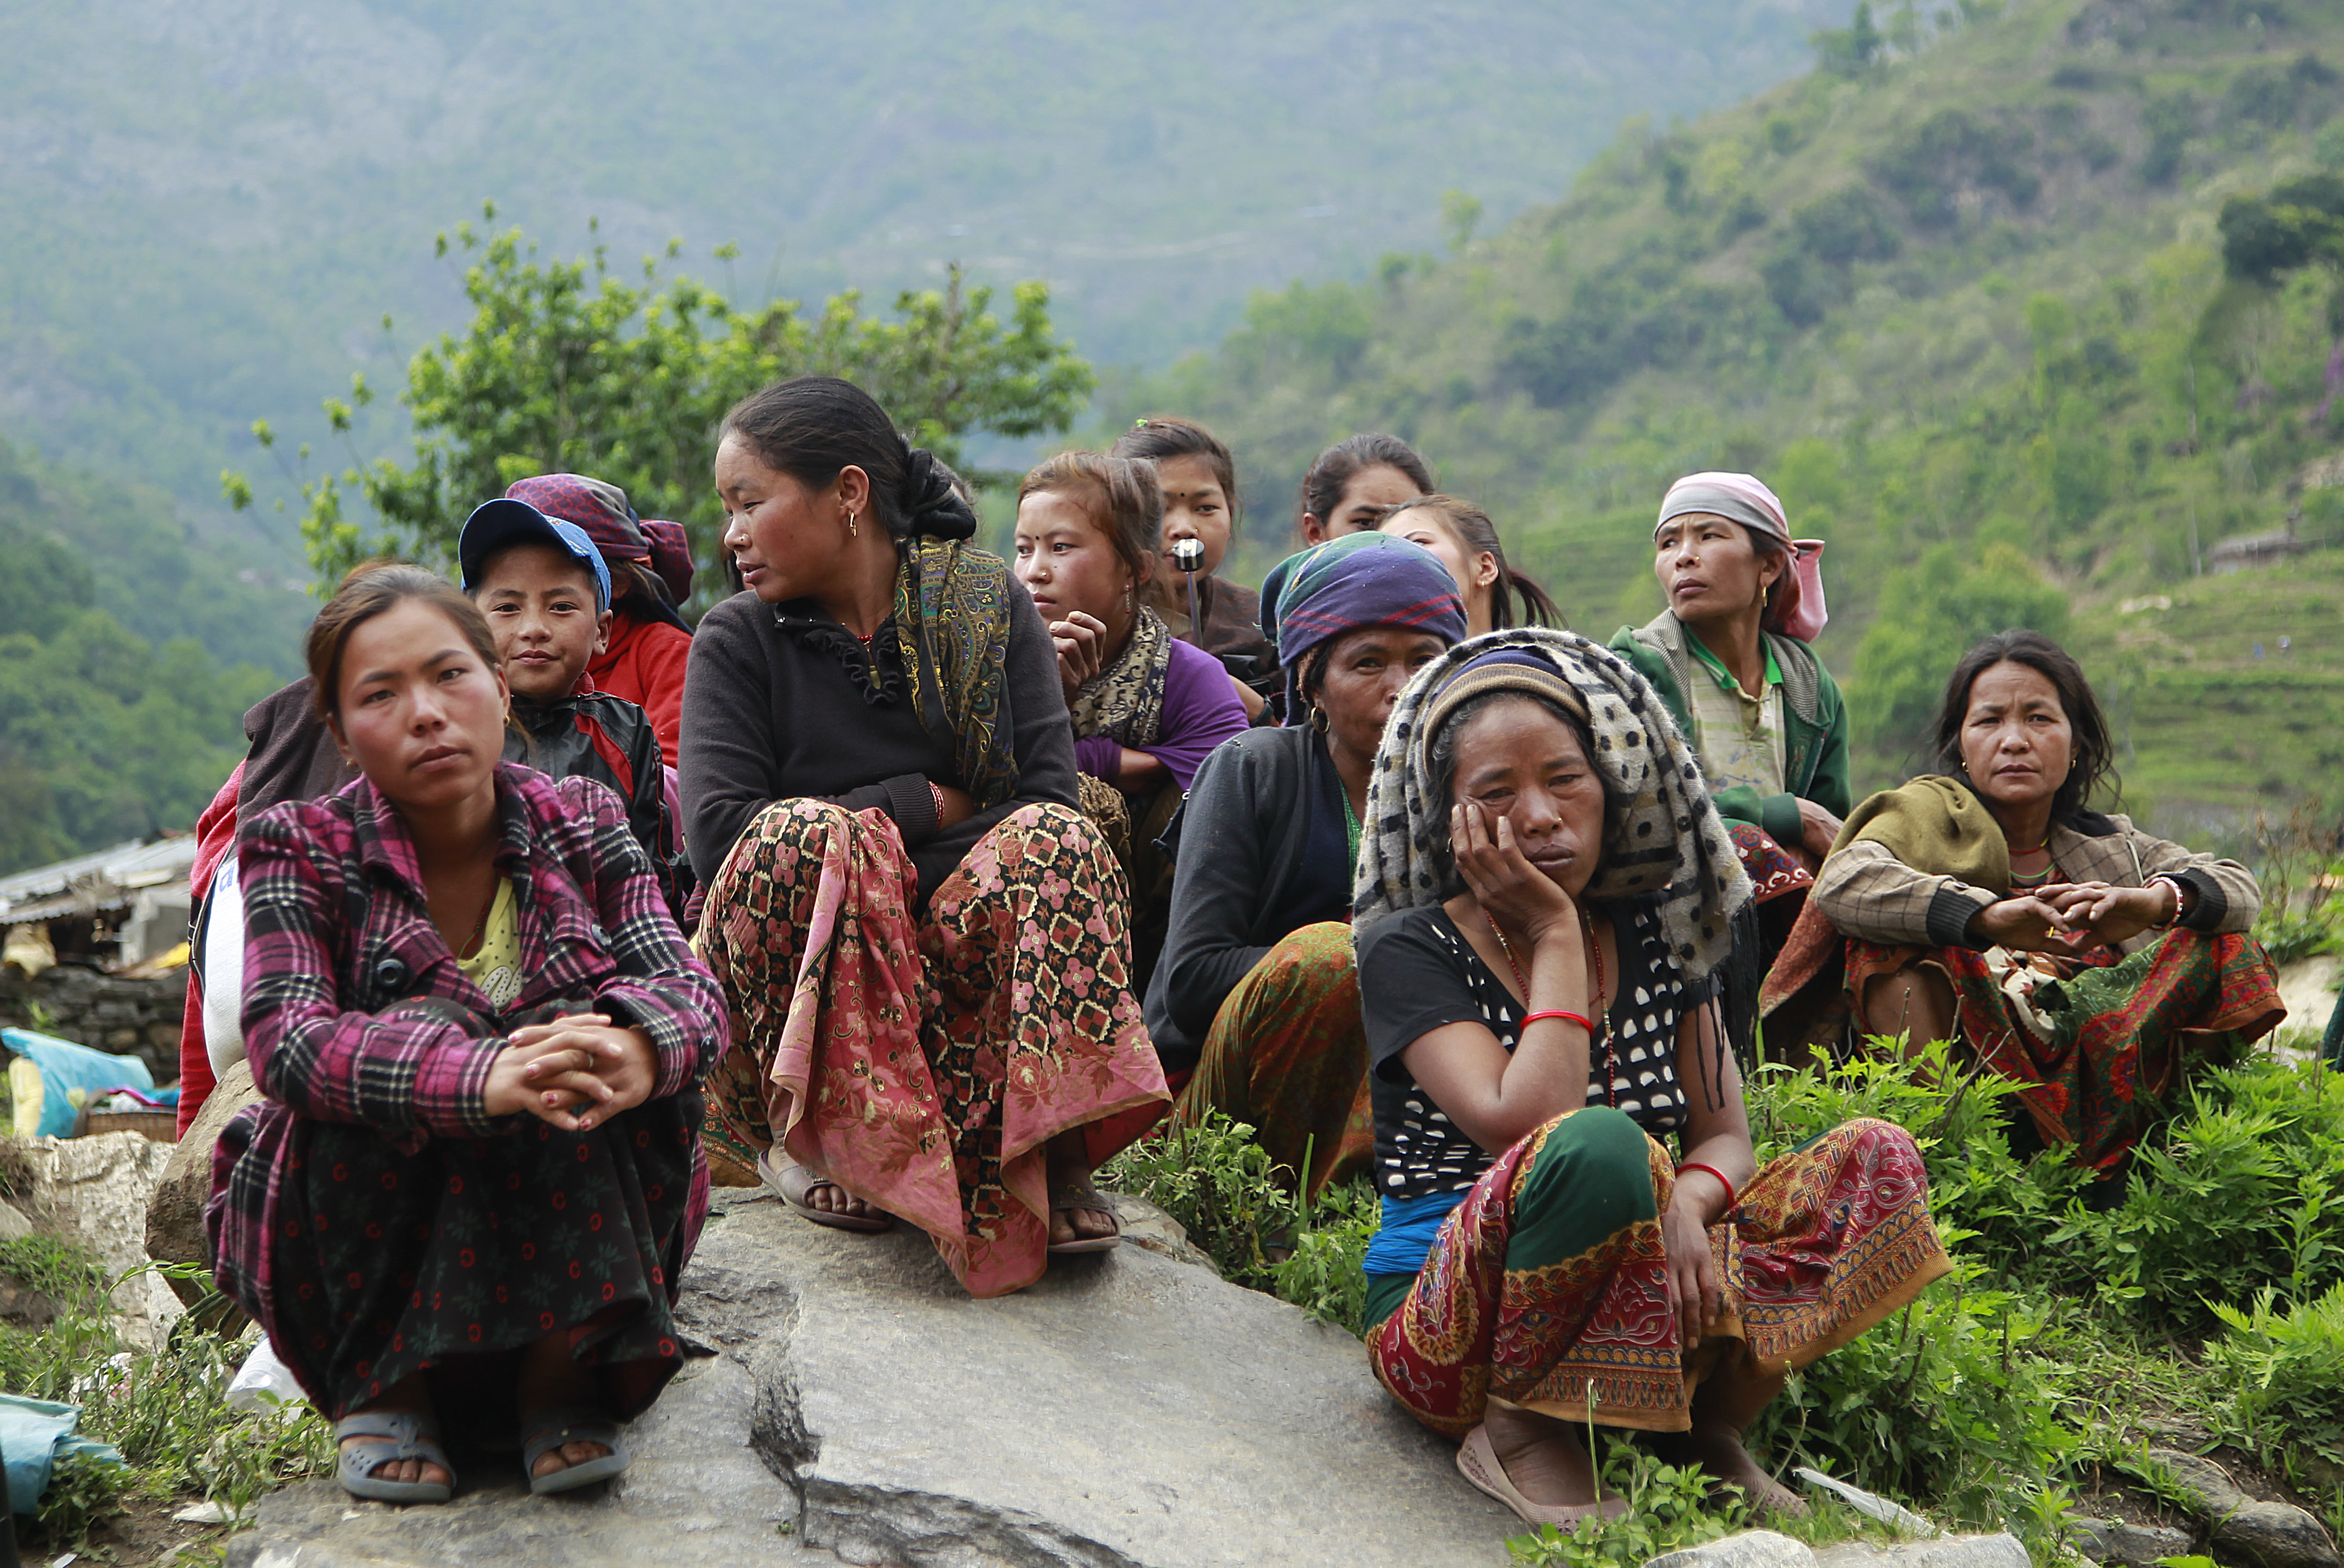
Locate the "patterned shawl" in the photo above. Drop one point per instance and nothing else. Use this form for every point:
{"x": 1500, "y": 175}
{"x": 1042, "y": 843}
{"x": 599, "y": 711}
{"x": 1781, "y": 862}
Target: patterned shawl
{"x": 952, "y": 620}
{"x": 1666, "y": 849}
{"x": 1125, "y": 700}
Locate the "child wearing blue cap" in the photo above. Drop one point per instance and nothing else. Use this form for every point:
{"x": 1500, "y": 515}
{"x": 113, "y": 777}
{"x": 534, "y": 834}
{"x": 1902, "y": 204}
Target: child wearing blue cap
{"x": 546, "y": 592}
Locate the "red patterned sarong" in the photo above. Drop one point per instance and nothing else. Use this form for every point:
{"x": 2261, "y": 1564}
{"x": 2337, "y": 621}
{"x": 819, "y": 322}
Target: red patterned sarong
{"x": 1548, "y": 1285}
{"x": 922, "y": 1064}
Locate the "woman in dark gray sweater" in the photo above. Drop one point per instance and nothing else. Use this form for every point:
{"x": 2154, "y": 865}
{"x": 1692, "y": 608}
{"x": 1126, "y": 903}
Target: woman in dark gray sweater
{"x": 1254, "y": 1006}
{"x": 922, "y": 940}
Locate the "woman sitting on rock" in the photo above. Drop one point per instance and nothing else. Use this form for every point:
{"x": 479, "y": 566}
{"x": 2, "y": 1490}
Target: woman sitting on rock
{"x": 1146, "y": 707}
{"x": 1951, "y": 903}
{"x": 1729, "y": 657}
{"x": 1466, "y": 540}
{"x": 476, "y": 1174}
{"x": 922, "y": 940}
{"x": 1256, "y": 995}
{"x": 1544, "y": 901}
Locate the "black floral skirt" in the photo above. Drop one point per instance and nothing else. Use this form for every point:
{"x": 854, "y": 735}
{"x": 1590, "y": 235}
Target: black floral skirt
{"x": 397, "y": 1263}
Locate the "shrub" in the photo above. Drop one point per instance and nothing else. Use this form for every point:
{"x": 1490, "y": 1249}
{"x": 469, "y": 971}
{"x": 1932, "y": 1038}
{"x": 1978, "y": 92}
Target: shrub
{"x": 2285, "y": 1371}
{"x": 1222, "y": 1187}
{"x": 1667, "y": 1510}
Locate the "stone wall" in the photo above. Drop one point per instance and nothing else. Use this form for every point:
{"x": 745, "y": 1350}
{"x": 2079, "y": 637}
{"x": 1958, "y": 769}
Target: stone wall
{"x": 134, "y": 1017}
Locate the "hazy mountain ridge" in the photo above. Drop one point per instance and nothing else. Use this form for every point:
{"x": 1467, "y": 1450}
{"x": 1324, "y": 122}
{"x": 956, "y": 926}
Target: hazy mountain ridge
{"x": 212, "y": 204}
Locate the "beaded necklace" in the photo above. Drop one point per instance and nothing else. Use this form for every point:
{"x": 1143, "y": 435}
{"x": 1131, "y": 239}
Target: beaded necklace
{"x": 1595, "y": 1004}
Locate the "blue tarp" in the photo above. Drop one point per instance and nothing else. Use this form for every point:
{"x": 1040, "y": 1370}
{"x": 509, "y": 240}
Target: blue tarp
{"x": 64, "y": 1066}
{"x": 35, "y": 1434}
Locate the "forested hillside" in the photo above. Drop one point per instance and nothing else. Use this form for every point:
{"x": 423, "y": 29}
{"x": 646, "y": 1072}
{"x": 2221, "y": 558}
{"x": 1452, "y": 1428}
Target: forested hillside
{"x": 115, "y": 721}
{"x": 1960, "y": 294}
{"x": 207, "y": 208}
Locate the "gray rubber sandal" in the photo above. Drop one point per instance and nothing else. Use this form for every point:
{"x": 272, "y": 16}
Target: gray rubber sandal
{"x": 411, "y": 1436}
{"x": 548, "y": 1429}
{"x": 791, "y": 1183}
{"x": 1083, "y": 1195}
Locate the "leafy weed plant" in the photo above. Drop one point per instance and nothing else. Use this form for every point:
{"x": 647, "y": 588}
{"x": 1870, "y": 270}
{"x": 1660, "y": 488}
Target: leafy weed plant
{"x": 166, "y": 1411}
{"x": 1669, "y": 1508}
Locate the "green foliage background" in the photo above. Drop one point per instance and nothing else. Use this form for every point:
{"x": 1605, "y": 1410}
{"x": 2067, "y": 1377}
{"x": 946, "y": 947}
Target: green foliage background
{"x": 1960, "y": 295}
{"x": 115, "y": 720}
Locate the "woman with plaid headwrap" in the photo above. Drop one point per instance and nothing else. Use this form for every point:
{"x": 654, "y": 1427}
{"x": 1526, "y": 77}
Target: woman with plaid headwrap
{"x": 1544, "y": 903}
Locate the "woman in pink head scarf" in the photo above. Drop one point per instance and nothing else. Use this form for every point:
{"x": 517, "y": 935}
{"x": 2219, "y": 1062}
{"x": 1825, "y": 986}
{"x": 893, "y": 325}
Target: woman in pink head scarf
{"x": 1729, "y": 657}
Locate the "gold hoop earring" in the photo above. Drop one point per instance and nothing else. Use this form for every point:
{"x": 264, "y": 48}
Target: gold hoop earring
{"x": 1319, "y": 719}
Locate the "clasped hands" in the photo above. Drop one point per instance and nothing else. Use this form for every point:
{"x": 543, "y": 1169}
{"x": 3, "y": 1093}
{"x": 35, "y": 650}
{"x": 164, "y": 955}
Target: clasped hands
{"x": 2070, "y": 917}
{"x": 575, "y": 1073}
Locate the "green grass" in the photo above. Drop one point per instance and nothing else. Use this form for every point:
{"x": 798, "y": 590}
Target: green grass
{"x": 2200, "y": 1308}
{"x": 166, "y": 1411}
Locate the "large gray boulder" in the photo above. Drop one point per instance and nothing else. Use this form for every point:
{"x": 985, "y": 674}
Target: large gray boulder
{"x": 1127, "y": 1410}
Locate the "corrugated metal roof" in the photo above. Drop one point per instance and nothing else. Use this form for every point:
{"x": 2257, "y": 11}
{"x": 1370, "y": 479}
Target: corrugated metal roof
{"x": 108, "y": 873}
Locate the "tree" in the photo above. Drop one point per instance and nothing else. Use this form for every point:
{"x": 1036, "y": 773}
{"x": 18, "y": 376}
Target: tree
{"x": 567, "y": 368}
{"x": 1851, "y": 50}
{"x": 1931, "y": 614}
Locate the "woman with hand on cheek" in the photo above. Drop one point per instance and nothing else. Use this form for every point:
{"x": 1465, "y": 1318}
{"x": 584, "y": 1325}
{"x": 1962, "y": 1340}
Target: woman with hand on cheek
{"x": 477, "y": 1169}
{"x": 1950, "y": 901}
{"x": 1543, "y": 908}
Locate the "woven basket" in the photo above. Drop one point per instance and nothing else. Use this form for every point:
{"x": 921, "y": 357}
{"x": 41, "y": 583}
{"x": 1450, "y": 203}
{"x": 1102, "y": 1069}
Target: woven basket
{"x": 162, "y": 1125}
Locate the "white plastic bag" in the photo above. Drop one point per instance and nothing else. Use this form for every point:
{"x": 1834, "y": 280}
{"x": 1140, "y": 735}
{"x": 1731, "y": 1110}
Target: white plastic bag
{"x": 262, "y": 1382}
{"x": 223, "y": 969}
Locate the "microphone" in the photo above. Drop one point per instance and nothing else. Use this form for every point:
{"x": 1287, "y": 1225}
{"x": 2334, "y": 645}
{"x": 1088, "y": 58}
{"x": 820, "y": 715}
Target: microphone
{"x": 1188, "y": 557}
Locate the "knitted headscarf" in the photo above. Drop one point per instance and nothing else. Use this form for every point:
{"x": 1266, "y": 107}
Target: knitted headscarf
{"x": 1359, "y": 579}
{"x": 1665, "y": 848}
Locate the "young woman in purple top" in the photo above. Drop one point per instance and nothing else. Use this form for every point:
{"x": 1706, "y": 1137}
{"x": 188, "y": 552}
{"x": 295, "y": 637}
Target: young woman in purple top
{"x": 1146, "y": 707}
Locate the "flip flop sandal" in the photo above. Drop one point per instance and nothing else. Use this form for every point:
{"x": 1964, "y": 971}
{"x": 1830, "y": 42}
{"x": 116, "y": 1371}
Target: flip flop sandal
{"x": 1085, "y": 1196}
{"x": 551, "y": 1429}
{"x": 412, "y": 1436}
{"x": 791, "y": 1183}
{"x": 1477, "y": 1460}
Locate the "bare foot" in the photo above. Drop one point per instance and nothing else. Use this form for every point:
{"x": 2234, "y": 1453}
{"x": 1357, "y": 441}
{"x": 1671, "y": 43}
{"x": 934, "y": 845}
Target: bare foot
{"x": 1717, "y": 1449}
{"x": 550, "y": 1377}
{"x": 1542, "y": 1457}
{"x": 408, "y": 1396}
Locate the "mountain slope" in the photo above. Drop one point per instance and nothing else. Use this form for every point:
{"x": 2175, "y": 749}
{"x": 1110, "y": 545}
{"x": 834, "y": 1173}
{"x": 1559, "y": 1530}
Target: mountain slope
{"x": 205, "y": 207}
{"x": 1966, "y": 293}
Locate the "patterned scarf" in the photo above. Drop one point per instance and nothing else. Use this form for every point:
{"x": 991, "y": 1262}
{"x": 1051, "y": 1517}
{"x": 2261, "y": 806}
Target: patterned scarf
{"x": 1667, "y": 849}
{"x": 951, "y": 621}
{"x": 1125, "y": 700}
{"x": 1359, "y": 580}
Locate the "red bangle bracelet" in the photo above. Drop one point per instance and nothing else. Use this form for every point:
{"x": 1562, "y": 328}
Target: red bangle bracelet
{"x": 1529, "y": 1019}
{"x": 936, "y": 794}
{"x": 1696, "y": 1165}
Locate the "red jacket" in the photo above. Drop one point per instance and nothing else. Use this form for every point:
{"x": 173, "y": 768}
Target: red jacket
{"x": 644, "y": 664}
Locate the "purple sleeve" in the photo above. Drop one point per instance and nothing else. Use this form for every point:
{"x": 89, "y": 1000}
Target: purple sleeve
{"x": 1200, "y": 711}
{"x": 1101, "y": 756}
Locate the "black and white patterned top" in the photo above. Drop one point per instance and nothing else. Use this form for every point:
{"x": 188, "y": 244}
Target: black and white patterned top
{"x": 1417, "y": 973}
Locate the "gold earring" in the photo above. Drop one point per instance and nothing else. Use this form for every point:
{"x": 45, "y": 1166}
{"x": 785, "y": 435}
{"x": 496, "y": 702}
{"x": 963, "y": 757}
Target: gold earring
{"x": 852, "y": 532}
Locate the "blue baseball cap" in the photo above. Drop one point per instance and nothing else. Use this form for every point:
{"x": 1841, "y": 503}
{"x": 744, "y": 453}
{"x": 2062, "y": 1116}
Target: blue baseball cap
{"x": 499, "y": 524}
